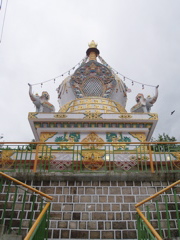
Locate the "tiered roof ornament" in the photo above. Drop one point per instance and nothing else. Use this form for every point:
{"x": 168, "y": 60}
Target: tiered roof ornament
{"x": 92, "y": 102}
{"x": 93, "y": 80}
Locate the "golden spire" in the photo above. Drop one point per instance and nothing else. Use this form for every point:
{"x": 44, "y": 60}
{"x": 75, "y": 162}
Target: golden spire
{"x": 92, "y": 44}
{"x": 92, "y": 51}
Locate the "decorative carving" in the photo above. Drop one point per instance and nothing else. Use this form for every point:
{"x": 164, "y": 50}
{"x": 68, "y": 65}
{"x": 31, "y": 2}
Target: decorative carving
{"x": 65, "y": 107}
{"x": 46, "y": 135}
{"x": 93, "y": 79}
{"x": 176, "y": 162}
{"x": 93, "y": 160}
{"x": 139, "y": 158}
{"x": 93, "y": 138}
{"x": 120, "y": 108}
{"x": 140, "y": 136}
{"x": 60, "y": 165}
{"x": 124, "y": 161}
{"x": 43, "y": 138}
{"x": 46, "y": 157}
{"x": 103, "y": 104}
{"x": 177, "y": 155}
{"x": 60, "y": 116}
{"x": 32, "y": 115}
{"x": 125, "y": 116}
{"x": 5, "y": 159}
{"x": 37, "y": 125}
{"x": 117, "y": 138}
{"x": 69, "y": 138}
{"x": 153, "y": 116}
{"x": 90, "y": 115}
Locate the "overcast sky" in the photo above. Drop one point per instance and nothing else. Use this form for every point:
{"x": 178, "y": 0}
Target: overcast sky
{"x": 44, "y": 38}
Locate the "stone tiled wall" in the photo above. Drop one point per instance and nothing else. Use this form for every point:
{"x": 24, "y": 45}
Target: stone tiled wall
{"x": 96, "y": 209}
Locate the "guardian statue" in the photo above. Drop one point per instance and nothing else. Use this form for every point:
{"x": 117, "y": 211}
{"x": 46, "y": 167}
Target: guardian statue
{"x": 41, "y": 102}
{"x": 144, "y": 104}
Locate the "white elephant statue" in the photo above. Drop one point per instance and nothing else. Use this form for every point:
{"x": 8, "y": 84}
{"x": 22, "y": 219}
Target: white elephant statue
{"x": 41, "y": 102}
{"x": 144, "y": 104}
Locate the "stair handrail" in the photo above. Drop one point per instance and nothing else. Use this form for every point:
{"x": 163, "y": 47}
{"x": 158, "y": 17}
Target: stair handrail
{"x": 154, "y": 232}
{"x": 33, "y": 229}
{"x": 26, "y": 186}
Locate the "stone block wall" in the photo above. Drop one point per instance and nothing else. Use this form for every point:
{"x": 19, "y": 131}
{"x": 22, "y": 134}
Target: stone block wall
{"x": 96, "y": 209}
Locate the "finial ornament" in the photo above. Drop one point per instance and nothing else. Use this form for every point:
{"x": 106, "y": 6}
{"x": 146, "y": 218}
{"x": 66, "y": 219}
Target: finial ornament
{"x": 92, "y": 44}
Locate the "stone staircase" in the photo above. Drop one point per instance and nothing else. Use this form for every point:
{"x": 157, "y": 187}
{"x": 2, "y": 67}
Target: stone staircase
{"x": 95, "y": 208}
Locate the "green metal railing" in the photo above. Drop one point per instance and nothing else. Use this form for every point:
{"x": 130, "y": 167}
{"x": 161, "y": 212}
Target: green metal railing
{"x": 159, "y": 216}
{"x": 144, "y": 233}
{"x": 90, "y": 157}
{"x": 20, "y": 205}
{"x": 39, "y": 230}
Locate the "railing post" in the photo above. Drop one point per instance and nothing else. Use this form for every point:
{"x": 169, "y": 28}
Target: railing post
{"x": 151, "y": 159}
{"x": 36, "y": 158}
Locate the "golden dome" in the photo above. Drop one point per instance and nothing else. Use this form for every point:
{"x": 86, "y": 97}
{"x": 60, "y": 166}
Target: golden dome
{"x": 92, "y": 104}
